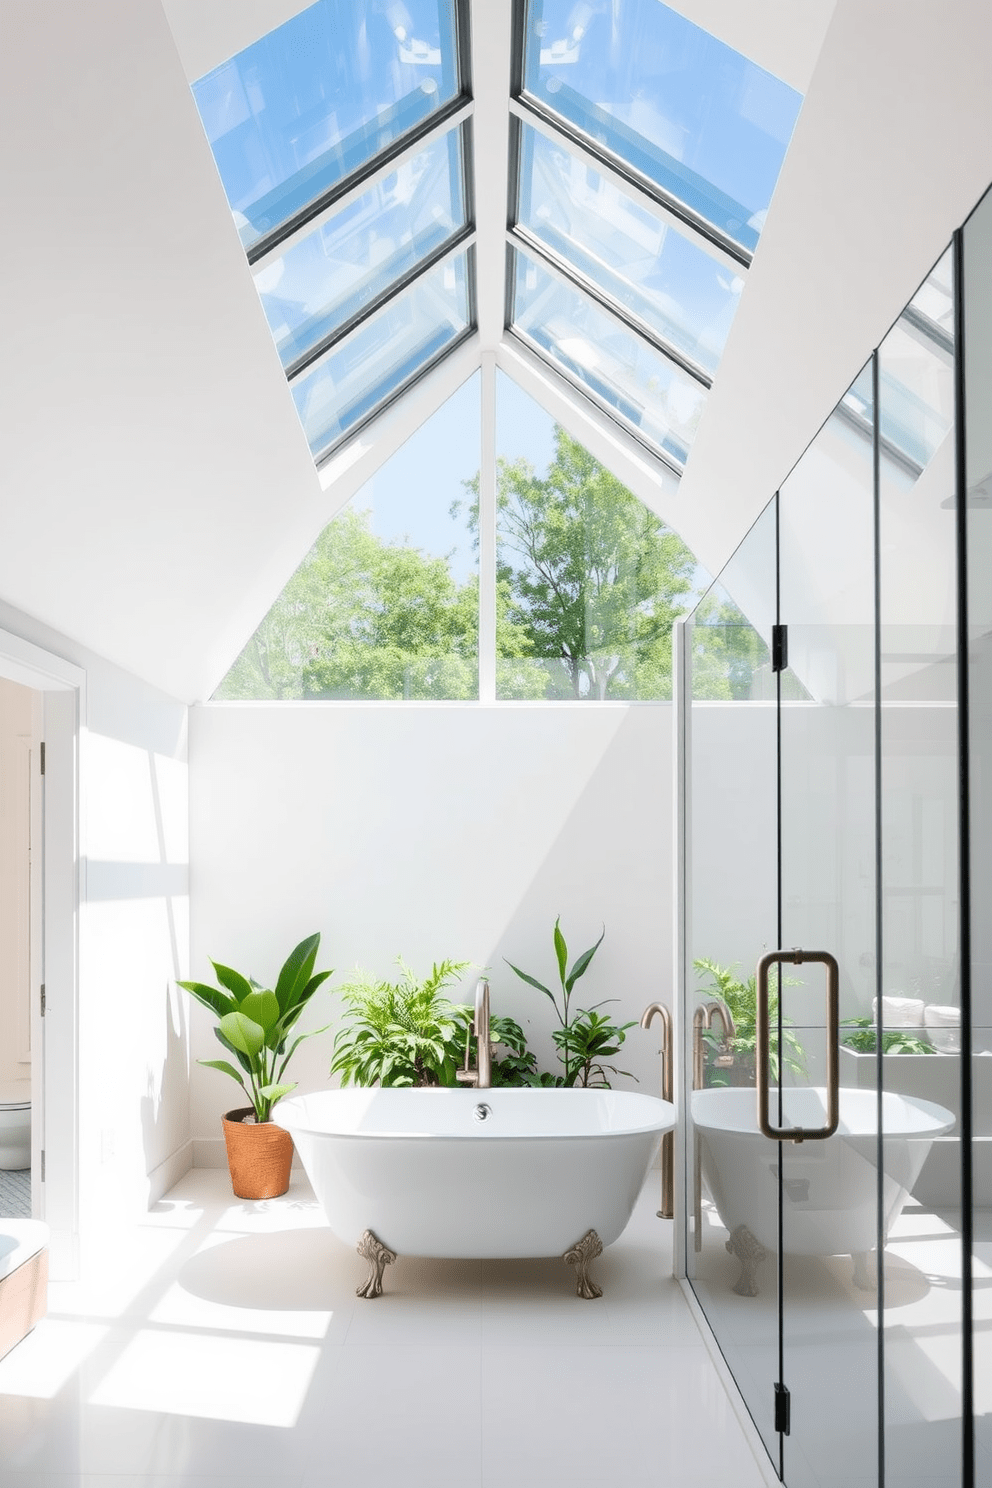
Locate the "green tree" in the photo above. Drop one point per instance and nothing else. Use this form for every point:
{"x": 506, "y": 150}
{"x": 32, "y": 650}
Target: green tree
{"x": 589, "y": 582}
{"x": 364, "y": 618}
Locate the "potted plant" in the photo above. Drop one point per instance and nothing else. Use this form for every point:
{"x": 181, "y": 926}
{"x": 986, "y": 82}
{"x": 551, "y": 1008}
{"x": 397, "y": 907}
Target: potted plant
{"x": 254, "y": 1024}
{"x": 586, "y": 1040}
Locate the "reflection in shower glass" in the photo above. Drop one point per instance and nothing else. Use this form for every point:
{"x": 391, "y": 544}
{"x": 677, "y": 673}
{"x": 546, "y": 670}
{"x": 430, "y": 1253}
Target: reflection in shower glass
{"x": 978, "y": 477}
{"x": 918, "y": 1016}
{"x": 627, "y": 249}
{"x": 685, "y": 110}
{"x": 300, "y": 109}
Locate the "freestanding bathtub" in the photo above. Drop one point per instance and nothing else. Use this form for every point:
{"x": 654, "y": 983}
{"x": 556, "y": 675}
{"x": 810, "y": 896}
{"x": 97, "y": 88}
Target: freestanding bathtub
{"x": 476, "y": 1173}
{"x": 829, "y": 1187}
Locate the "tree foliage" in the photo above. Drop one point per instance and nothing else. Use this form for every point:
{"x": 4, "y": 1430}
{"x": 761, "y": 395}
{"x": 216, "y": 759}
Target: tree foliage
{"x": 364, "y": 618}
{"x": 589, "y": 582}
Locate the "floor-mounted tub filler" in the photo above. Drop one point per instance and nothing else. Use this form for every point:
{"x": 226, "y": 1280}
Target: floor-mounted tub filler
{"x": 476, "y": 1174}
{"x": 829, "y": 1188}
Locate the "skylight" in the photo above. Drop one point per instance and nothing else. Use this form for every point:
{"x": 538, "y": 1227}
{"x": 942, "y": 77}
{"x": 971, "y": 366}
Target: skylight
{"x": 341, "y": 140}
{"x": 645, "y": 156}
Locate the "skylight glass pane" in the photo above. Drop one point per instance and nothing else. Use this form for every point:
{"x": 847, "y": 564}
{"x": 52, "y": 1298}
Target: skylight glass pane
{"x": 298, "y": 110}
{"x": 386, "y": 603}
{"x": 627, "y": 249}
{"x": 682, "y": 108}
{"x": 310, "y": 291}
{"x": 589, "y": 580}
{"x": 383, "y": 353}
{"x": 620, "y": 369}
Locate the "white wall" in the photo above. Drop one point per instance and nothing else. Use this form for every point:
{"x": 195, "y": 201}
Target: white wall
{"x": 432, "y": 831}
{"x": 132, "y": 934}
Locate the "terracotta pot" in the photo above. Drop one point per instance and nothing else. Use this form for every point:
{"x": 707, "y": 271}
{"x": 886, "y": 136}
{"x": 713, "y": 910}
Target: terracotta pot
{"x": 258, "y": 1155}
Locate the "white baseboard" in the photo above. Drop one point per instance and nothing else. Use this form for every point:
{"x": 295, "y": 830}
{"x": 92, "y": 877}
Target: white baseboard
{"x": 168, "y": 1173}
{"x": 209, "y": 1152}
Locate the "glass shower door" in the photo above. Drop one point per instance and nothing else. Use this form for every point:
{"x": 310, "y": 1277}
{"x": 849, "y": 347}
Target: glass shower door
{"x": 828, "y": 1186}
{"x": 730, "y": 920}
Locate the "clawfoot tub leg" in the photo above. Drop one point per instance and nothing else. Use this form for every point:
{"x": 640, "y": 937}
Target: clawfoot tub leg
{"x": 378, "y": 1257}
{"x": 865, "y": 1276}
{"x": 750, "y": 1252}
{"x": 580, "y": 1255}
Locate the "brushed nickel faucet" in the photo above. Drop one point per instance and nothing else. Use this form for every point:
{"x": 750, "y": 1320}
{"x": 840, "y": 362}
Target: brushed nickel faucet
{"x": 482, "y": 1075}
{"x": 653, "y": 1010}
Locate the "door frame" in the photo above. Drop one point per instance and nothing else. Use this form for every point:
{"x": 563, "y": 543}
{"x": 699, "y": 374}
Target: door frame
{"x": 55, "y": 927}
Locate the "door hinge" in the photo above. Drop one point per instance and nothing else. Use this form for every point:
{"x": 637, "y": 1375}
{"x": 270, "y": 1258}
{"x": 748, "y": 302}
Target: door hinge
{"x": 42, "y": 1164}
{"x": 783, "y": 1410}
{"x": 780, "y": 647}
{"x": 41, "y": 757}
{"x": 43, "y": 999}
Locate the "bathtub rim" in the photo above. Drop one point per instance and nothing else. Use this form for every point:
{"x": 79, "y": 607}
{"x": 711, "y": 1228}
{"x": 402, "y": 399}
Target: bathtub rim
{"x": 940, "y": 1120}
{"x": 30, "y": 1236}
{"x": 666, "y": 1115}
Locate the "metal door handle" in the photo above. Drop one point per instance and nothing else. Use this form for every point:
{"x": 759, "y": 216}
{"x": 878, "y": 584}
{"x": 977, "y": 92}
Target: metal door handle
{"x": 799, "y": 1133}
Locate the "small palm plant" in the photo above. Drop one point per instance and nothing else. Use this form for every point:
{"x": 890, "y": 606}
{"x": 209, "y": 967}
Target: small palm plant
{"x": 254, "y": 1023}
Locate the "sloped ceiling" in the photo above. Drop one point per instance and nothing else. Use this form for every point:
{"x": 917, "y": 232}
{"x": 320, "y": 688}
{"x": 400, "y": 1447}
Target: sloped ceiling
{"x": 157, "y": 488}
{"x": 153, "y": 469}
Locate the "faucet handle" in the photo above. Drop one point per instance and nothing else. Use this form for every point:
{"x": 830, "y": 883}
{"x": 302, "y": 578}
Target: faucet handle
{"x": 467, "y": 1076}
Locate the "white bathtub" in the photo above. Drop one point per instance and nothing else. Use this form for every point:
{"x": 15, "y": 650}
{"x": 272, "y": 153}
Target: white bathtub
{"x": 829, "y": 1187}
{"x": 418, "y": 1169}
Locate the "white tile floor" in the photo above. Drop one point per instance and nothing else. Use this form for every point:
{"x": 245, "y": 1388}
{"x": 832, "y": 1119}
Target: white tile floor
{"x": 220, "y": 1343}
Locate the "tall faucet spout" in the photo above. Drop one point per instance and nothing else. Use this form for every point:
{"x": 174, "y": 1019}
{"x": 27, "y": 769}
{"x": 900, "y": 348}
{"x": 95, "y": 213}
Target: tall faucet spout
{"x": 484, "y": 1056}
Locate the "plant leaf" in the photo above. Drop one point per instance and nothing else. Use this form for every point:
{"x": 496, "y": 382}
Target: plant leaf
{"x": 561, "y": 951}
{"x": 233, "y": 981}
{"x": 225, "y": 1069}
{"x": 297, "y": 971}
{"x": 276, "y": 1092}
{"x": 211, "y": 997}
{"x": 244, "y": 1033}
{"x": 530, "y": 980}
{"x": 582, "y": 963}
{"x": 262, "y": 1008}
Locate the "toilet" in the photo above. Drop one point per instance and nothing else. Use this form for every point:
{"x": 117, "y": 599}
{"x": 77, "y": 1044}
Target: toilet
{"x": 15, "y": 1124}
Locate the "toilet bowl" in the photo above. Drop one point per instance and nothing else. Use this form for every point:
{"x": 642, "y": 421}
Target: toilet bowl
{"x": 15, "y": 1124}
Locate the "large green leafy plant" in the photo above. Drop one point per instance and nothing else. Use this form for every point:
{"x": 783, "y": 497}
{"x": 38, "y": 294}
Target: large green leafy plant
{"x": 585, "y": 1041}
{"x": 254, "y": 1023}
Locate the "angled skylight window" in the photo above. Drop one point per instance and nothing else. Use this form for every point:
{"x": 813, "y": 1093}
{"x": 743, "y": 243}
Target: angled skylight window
{"x": 622, "y": 371}
{"x": 342, "y": 267}
{"x": 682, "y": 110}
{"x": 620, "y": 241}
{"x": 302, "y": 108}
{"x": 341, "y": 139}
{"x": 368, "y": 366}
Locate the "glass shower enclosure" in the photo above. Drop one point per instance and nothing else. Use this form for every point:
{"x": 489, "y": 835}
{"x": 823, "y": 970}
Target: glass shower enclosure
{"x": 836, "y": 740}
